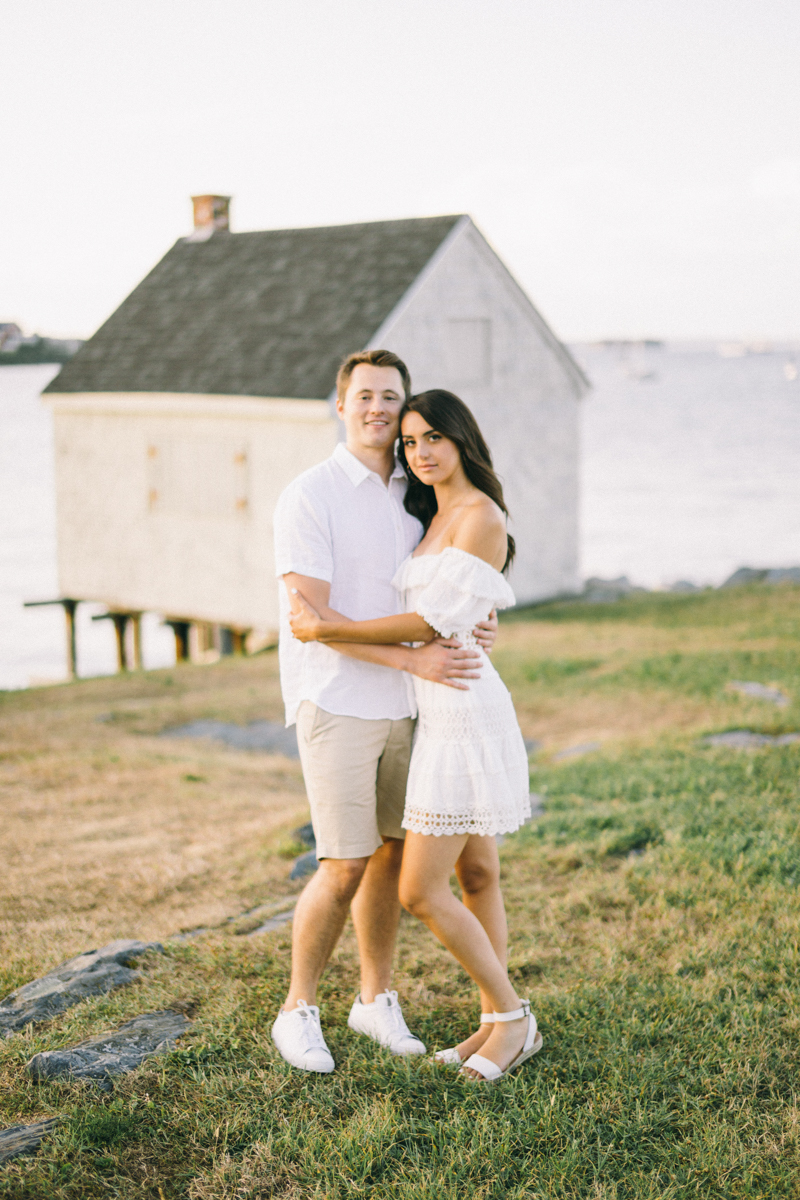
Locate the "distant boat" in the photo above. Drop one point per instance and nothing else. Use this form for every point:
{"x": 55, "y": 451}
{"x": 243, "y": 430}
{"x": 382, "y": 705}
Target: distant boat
{"x": 633, "y": 358}
{"x": 740, "y": 349}
{"x": 639, "y": 374}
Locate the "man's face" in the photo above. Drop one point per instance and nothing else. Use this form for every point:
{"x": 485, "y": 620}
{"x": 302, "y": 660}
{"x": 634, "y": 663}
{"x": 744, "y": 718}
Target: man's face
{"x": 371, "y": 406}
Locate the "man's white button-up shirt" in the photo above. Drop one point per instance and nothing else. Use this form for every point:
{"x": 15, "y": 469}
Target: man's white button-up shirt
{"x": 339, "y": 522}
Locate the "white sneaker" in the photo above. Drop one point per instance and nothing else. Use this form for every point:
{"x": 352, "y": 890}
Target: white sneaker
{"x": 298, "y": 1036}
{"x": 383, "y": 1021}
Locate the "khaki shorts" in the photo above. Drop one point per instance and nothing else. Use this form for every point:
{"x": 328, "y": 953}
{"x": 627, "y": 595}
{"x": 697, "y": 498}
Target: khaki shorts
{"x": 356, "y": 773}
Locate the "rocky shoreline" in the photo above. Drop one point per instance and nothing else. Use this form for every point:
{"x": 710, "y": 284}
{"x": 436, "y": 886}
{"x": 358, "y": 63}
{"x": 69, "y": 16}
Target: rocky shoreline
{"x": 605, "y": 591}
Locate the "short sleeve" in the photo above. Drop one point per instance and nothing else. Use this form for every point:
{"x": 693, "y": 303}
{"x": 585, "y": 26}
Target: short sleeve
{"x": 302, "y": 535}
{"x": 462, "y": 591}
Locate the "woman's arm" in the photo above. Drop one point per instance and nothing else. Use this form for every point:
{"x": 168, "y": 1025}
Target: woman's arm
{"x": 440, "y": 661}
{"x": 309, "y": 626}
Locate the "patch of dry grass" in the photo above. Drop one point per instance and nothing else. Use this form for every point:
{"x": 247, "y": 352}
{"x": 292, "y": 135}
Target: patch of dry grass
{"x": 110, "y": 831}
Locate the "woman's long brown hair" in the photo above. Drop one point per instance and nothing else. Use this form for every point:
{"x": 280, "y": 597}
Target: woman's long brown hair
{"x": 450, "y": 416}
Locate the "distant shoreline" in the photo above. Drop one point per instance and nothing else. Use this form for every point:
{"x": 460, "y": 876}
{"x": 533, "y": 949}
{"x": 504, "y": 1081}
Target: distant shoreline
{"x": 37, "y": 351}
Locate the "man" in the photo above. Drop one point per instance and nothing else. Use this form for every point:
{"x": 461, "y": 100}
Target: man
{"x": 341, "y": 532}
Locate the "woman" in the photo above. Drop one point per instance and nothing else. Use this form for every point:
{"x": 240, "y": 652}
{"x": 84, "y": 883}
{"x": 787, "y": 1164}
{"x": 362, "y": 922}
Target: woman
{"x": 468, "y": 779}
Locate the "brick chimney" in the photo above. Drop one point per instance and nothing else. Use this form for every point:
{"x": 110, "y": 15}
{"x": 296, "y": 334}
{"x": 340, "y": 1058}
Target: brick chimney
{"x": 211, "y": 215}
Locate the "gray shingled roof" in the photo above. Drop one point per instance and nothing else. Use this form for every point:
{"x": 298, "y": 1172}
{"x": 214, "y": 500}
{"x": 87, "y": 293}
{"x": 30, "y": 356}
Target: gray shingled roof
{"x": 256, "y": 314}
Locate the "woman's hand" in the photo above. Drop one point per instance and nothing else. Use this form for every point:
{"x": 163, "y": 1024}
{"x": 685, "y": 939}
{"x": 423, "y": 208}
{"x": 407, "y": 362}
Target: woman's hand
{"x": 307, "y": 625}
{"x": 486, "y": 632}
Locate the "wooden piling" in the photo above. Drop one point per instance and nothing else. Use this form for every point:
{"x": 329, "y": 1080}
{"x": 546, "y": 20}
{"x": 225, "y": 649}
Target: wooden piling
{"x": 136, "y": 622}
{"x": 121, "y": 619}
{"x": 180, "y": 628}
{"x": 69, "y": 605}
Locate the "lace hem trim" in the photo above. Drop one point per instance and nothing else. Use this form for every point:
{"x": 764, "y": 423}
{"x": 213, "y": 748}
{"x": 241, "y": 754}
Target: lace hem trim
{"x": 482, "y": 824}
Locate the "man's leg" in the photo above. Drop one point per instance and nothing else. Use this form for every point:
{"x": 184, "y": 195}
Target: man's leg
{"x": 318, "y": 922}
{"x": 376, "y": 913}
{"x": 340, "y": 757}
{"x": 376, "y": 1011}
{"x": 376, "y": 907}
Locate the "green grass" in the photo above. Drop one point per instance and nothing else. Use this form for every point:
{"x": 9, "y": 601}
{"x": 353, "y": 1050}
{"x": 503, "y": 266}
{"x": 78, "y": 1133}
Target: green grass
{"x": 549, "y": 671}
{"x": 654, "y": 920}
{"x": 706, "y": 674}
{"x": 670, "y": 1020}
{"x": 765, "y": 608}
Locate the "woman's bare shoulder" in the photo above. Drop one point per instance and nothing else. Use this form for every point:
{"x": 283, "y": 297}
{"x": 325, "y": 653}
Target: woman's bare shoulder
{"x": 482, "y": 531}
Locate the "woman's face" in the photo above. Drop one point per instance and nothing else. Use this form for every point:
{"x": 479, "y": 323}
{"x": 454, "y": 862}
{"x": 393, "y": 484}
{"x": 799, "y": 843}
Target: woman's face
{"x": 431, "y": 456}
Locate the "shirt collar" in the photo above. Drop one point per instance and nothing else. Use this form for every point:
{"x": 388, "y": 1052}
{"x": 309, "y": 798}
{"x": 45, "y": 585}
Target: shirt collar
{"x": 355, "y": 470}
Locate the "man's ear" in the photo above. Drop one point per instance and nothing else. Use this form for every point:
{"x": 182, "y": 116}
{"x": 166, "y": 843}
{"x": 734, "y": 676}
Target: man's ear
{"x": 340, "y": 408}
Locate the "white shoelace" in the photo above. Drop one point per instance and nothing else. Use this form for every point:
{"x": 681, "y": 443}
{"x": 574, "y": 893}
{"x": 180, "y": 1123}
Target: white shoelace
{"x": 397, "y": 1014}
{"x": 311, "y": 1026}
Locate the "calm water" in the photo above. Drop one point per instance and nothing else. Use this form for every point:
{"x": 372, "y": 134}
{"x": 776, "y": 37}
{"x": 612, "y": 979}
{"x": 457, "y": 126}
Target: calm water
{"x": 33, "y": 641}
{"x": 690, "y": 470}
{"x": 694, "y": 471}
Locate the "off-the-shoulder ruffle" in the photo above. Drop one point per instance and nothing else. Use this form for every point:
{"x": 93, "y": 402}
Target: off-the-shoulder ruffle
{"x": 457, "y": 589}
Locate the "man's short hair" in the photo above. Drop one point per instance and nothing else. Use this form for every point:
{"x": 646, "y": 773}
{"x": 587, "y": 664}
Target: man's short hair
{"x": 373, "y": 358}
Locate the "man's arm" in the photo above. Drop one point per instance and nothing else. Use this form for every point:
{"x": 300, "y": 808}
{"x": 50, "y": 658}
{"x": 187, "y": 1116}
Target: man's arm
{"x": 441, "y": 661}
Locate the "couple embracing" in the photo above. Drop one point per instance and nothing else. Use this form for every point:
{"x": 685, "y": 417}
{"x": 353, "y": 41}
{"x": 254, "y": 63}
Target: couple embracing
{"x": 393, "y": 569}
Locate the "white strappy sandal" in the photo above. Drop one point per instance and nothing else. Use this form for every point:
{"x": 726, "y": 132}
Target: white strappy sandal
{"x": 450, "y": 1057}
{"x": 533, "y": 1043}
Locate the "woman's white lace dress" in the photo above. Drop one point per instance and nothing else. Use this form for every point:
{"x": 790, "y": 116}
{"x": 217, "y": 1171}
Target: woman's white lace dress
{"x": 469, "y": 768}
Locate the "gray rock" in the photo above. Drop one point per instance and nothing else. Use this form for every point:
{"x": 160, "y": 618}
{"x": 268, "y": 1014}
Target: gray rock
{"x": 88, "y": 974}
{"x": 23, "y": 1139}
{"x": 537, "y": 810}
{"x": 770, "y": 575}
{"x": 305, "y": 834}
{"x": 101, "y": 1058}
{"x": 306, "y": 864}
{"x": 604, "y": 591}
{"x": 576, "y": 751}
{"x": 759, "y": 691}
{"x": 744, "y": 739}
{"x": 259, "y": 919}
{"x": 259, "y": 735}
{"x": 743, "y": 576}
{"x": 783, "y": 575}
{"x": 187, "y": 934}
{"x": 537, "y": 806}
{"x": 281, "y": 918}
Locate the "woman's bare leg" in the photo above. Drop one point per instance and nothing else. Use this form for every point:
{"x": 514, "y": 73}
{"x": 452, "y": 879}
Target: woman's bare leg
{"x": 478, "y": 872}
{"x": 428, "y": 863}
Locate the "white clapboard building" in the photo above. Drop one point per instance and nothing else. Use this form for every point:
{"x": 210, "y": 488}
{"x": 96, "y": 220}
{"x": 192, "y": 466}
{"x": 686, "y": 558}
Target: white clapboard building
{"x": 179, "y": 423}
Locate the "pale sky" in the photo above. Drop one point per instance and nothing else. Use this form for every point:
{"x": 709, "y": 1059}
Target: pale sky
{"x": 635, "y": 162}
